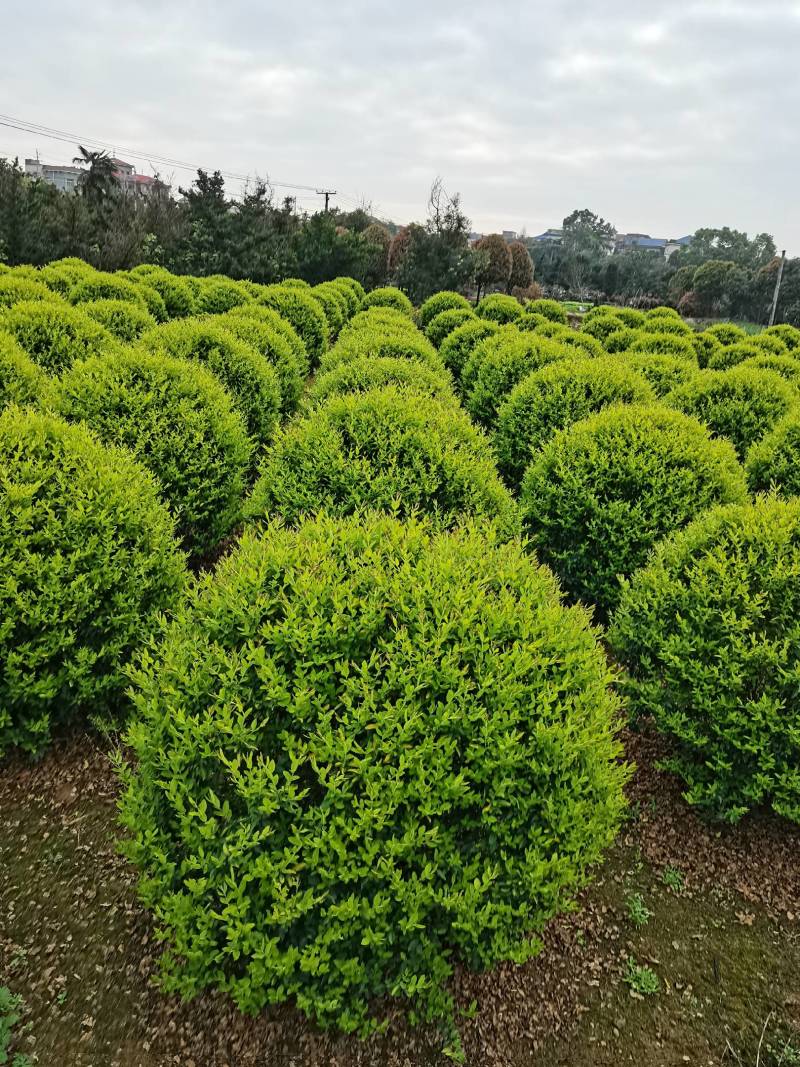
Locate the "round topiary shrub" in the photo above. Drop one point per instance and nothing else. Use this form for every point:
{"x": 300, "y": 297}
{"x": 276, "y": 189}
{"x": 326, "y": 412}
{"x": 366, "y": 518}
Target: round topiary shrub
{"x": 601, "y": 493}
{"x": 459, "y": 345}
{"x": 603, "y": 326}
{"x": 631, "y": 317}
{"x": 664, "y": 324}
{"x": 267, "y": 317}
{"x": 373, "y": 372}
{"x": 273, "y": 345}
{"x": 180, "y": 423}
{"x": 54, "y": 335}
{"x": 390, "y": 320}
{"x": 21, "y": 381}
{"x": 88, "y": 561}
{"x": 15, "y": 289}
{"x": 787, "y": 366}
{"x": 101, "y": 286}
{"x": 555, "y": 397}
{"x": 177, "y": 294}
{"x": 355, "y": 289}
{"x": 346, "y": 737}
{"x": 662, "y": 311}
{"x": 620, "y": 340}
{"x": 249, "y": 378}
{"x": 665, "y": 344}
{"x": 440, "y": 327}
{"x": 774, "y": 461}
{"x": 499, "y": 308}
{"x": 705, "y": 346}
{"x": 731, "y": 355}
{"x": 218, "y": 295}
{"x": 61, "y": 278}
{"x": 334, "y": 306}
{"x": 770, "y": 343}
{"x": 506, "y": 361}
{"x": 376, "y": 343}
{"x": 790, "y": 335}
{"x": 710, "y": 634}
{"x": 303, "y": 313}
{"x": 389, "y": 449}
{"x": 726, "y": 333}
{"x": 126, "y": 321}
{"x": 551, "y": 309}
{"x": 583, "y": 344}
{"x": 741, "y": 404}
{"x": 389, "y": 297}
{"x": 439, "y": 302}
{"x": 664, "y": 373}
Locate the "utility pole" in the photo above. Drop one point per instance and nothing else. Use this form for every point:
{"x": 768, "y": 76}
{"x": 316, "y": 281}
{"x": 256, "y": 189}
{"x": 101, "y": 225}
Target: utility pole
{"x": 777, "y": 289}
{"x": 327, "y": 193}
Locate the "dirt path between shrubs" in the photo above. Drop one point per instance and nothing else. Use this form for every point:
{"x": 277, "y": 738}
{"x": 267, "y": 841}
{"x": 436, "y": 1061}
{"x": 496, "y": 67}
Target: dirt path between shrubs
{"x": 718, "y": 913}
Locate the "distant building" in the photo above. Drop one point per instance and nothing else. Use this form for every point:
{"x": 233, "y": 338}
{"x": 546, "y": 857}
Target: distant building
{"x": 67, "y": 178}
{"x": 551, "y": 237}
{"x": 634, "y": 242}
{"x": 509, "y": 235}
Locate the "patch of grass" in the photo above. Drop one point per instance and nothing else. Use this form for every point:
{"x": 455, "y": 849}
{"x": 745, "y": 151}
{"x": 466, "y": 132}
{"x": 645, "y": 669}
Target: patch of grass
{"x": 672, "y": 877}
{"x": 642, "y": 979}
{"x": 638, "y": 911}
{"x": 10, "y": 1015}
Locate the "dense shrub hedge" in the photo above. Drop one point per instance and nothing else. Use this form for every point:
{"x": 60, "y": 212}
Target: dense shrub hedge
{"x": 389, "y": 297}
{"x": 632, "y": 317}
{"x": 666, "y": 324}
{"x": 54, "y": 335}
{"x": 620, "y": 340}
{"x": 742, "y": 404}
{"x": 88, "y": 559}
{"x": 440, "y": 327}
{"x": 774, "y": 461}
{"x": 303, "y": 313}
{"x": 389, "y": 319}
{"x": 249, "y": 378}
{"x": 21, "y": 380}
{"x": 456, "y": 349}
{"x": 126, "y": 321}
{"x": 499, "y": 308}
{"x": 663, "y": 372}
{"x": 705, "y": 345}
{"x": 710, "y": 634}
{"x": 439, "y": 302}
{"x": 179, "y": 422}
{"x": 553, "y": 398}
{"x": 354, "y": 288}
{"x": 363, "y": 373}
{"x": 662, "y": 311}
{"x": 100, "y": 285}
{"x": 390, "y": 449}
{"x": 601, "y": 493}
{"x": 276, "y": 349}
{"x": 769, "y": 342}
{"x": 551, "y": 309}
{"x": 441, "y": 796}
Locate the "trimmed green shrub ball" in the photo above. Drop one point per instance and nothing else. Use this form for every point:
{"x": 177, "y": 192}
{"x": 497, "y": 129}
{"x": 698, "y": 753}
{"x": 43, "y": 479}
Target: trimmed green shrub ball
{"x": 390, "y": 320}
{"x": 60, "y": 278}
{"x": 664, "y": 373}
{"x": 440, "y": 327}
{"x": 177, "y": 294}
{"x": 389, "y": 297}
{"x": 620, "y": 340}
{"x": 663, "y": 312}
{"x": 276, "y": 349}
{"x": 770, "y": 343}
{"x": 741, "y": 404}
{"x": 15, "y": 289}
{"x": 603, "y": 326}
{"x": 499, "y": 308}
{"x": 705, "y": 346}
{"x": 389, "y": 449}
{"x": 787, "y": 366}
{"x": 352, "y": 290}
{"x": 458, "y": 346}
{"x": 529, "y": 320}
{"x": 665, "y": 344}
{"x": 373, "y": 372}
{"x": 54, "y": 335}
{"x": 268, "y": 317}
{"x": 303, "y": 313}
{"x": 774, "y": 461}
{"x": 21, "y": 380}
{"x": 439, "y": 302}
{"x": 731, "y": 355}
{"x": 179, "y": 422}
{"x": 376, "y": 343}
{"x": 218, "y": 295}
{"x": 790, "y": 335}
{"x": 632, "y": 317}
{"x": 102, "y": 286}
{"x": 369, "y": 747}
{"x": 551, "y": 309}
{"x": 296, "y": 283}
{"x": 88, "y": 561}
{"x": 667, "y": 324}
{"x": 553, "y": 398}
{"x": 583, "y": 344}
{"x": 126, "y": 321}
{"x": 334, "y": 306}
{"x": 726, "y": 333}
{"x": 249, "y": 378}
{"x": 710, "y": 634}
{"x": 601, "y": 493}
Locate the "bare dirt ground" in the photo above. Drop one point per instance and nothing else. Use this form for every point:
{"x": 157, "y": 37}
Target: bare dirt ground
{"x": 712, "y": 913}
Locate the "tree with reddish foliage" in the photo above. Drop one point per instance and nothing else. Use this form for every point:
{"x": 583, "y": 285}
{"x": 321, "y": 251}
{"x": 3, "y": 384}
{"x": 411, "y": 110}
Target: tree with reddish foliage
{"x": 521, "y": 266}
{"x": 379, "y": 240}
{"x": 399, "y": 247}
{"x": 494, "y": 264}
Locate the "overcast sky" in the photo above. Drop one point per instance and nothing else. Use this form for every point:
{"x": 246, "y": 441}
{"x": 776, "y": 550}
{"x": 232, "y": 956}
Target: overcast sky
{"x": 662, "y": 117}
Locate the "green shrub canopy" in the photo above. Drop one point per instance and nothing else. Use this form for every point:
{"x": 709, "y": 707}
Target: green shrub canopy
{"x": 178, "y": 420}
{"x": 603, "y": 326}
{"x": 268, "y": 317}
{"x": 742, "y": 404}
{"x": 389, "y": 319}
{"x": 731, "y": 355}
{"x": 499, "y": 308}
{"x": 457, "y": 347}
{"x": 276, "y": 349}
{"x": 21, "y": 381}
{"x": 710, "y": 634}
{"x": 663, "y": 372}
{"x": 362, "y": 754}
{"x": 664, "y": 344}
{"x": 439, "y": 302}
{"x": 88, "y": 560}
{"x": 619, "y": 340}
{"x": 389, "y": 449}
{"x": 601, "y": 493}
{"x": 101, "y": 286}
{"x": 790, "y": 335}
{"x": 303, "y": 313}
{"x": 334, "y": 306}
{"x": 632, "y": 317}
{"x": 249, "y": 378}
{"x": 667, "y": 324}
{"x": 352, "y": 293}
{"x": 440, "y": 327}
{"x": 363, "y": 373}
{"x": 15, "y": 288}
{"x": 787, "y": 366}
{"x": 726, "y": 333}
{"x": 774, "y": 462}
{"x": 551, "y": 309}
{"x": 554, "y": 397}
{"x": 389, "y": 297}
{"x": 218, "y": 295}
{"x": 175, "y": 291}
{"x": 376, "y": 342}
{"x": 663, "y": 312}
{"x": 54, "y": 335}
{"x": 769, "y": 342}
{"x": 705, "y": 346}
{"x": 126, "y": 321}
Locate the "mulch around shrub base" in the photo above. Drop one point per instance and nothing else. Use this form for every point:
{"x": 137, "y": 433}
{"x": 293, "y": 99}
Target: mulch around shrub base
{"x": 80, "y": 949}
